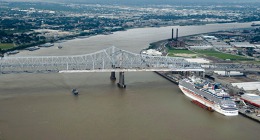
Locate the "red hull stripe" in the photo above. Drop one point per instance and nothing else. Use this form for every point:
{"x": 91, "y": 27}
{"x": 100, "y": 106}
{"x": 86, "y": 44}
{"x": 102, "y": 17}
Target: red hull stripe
{"x": 255, "y": 104}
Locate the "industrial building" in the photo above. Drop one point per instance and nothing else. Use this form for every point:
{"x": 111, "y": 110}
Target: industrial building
{"x": 242, "y": 45}
{"x": 152, "y": 52}
{"x": 231, "y": 73}
{"x": 198, "y": 60}
{"x": 248, "y": 86}
{"x": 251, "y": 99}
{"x": 252, "y": 92}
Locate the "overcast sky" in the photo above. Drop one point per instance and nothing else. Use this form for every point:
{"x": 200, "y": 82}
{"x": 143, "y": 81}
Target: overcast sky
{"x": 146, "y": 2}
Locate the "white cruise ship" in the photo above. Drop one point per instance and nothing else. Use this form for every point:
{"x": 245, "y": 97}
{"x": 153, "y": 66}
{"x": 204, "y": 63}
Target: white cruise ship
{"x": 208, "y": 95}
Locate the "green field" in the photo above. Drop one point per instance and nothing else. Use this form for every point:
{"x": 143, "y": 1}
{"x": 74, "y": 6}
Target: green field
{"x": 5, "y": 46}
{"x": 212, "y": 53}
{"x": 180, "y": 53}
{"x": 220, "y": 55}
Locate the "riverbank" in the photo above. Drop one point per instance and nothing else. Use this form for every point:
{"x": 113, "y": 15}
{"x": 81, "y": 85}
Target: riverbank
{"x": 160, "y": 45}
{"x": 164, "y": 32}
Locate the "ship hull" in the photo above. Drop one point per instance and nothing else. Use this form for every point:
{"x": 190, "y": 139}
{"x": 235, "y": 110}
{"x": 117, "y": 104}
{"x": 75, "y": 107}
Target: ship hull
{"x": 193, "y": 96}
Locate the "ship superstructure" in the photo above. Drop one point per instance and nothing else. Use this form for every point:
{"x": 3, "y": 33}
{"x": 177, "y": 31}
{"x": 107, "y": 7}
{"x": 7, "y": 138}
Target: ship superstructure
{"x": 211, "y": 95}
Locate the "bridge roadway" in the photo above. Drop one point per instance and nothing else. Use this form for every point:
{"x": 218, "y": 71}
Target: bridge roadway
{"x": 228, "y": 67}
{"x": 231, "y": 67}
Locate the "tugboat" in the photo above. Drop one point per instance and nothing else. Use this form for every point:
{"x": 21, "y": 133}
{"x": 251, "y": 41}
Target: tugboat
{"x": 255, "y": 24}
{"x": 12, "y": 52}
{"x": 75, "y": 92}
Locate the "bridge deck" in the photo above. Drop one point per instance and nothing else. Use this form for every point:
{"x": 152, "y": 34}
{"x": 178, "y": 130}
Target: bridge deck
{"x": 127, "y": 70}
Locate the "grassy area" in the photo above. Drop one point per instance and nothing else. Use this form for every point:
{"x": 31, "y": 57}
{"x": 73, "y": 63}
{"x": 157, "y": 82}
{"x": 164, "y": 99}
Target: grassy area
{"x": 220, "y": 55}
{"x": 5, "y": 46}
{"x": 213, "y": 53}
{"x": 181, "y": 53}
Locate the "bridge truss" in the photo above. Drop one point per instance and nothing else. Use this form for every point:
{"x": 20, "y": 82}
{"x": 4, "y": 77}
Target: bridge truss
{"x": 111, "y": 59}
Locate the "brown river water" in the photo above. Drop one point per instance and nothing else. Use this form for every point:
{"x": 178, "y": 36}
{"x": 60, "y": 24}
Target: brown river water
{"x": 41, "y": 106}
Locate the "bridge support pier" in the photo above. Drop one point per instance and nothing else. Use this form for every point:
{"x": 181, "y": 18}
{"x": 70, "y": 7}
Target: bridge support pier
{"x": 113, "y": 76}
{"x": 227, "y": 73}
{"x": 186, "y": 74}
{"x": 201, "y": 74}
{"x": 121, "y": 83}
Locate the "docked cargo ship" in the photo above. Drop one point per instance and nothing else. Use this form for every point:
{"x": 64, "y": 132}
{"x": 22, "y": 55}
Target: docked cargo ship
{"x": 210, "y": 95}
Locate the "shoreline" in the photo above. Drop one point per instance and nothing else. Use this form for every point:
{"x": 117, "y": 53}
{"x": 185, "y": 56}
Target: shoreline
{"x": 72, "y": 37}
{"x": 174, "y": 79}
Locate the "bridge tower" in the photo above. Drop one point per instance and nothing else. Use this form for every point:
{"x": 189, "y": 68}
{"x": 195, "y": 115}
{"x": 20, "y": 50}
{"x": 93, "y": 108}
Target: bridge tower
{"x": 113, "y": 74}
{"x": 172, "y": 33}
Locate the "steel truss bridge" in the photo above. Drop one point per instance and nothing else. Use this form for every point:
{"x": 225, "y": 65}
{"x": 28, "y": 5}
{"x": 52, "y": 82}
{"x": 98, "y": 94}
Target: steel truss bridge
{"x": 111, "y": 60}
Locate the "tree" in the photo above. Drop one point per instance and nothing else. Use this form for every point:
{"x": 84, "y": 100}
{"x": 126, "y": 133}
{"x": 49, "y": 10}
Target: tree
{"x": 1, "y": 53}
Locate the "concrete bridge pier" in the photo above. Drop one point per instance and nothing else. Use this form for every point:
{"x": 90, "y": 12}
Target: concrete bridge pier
{"x": 121, "y": 83}
{"x": 201, "y": 74}
{"x": 186, "y": 74}
{"x": 227, "y": 73}
{"x": 113, "y": 76}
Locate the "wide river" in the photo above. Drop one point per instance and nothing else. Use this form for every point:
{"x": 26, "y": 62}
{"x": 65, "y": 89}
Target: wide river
{"x": 41, "y": 107}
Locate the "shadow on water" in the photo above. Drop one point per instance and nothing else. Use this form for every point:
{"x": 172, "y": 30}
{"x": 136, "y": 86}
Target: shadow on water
{"x": 76, "y": 97}
{"x": 113, "y": 83}
{"x": 122, "y": 91}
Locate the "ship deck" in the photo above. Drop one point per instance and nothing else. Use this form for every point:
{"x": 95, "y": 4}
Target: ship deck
{"x": 208, "y": 96}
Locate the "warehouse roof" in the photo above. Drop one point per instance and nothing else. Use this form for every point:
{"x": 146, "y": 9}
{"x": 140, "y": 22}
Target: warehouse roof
{"x": 242, "y": 44}
{"x": 252, "y": 98}
{"x": 248, "y": 85}
{"x": 197, "y": 60}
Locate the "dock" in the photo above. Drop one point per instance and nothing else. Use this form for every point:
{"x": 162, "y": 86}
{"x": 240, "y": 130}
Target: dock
{"x": 246, "y": 112}
{"x": 249, "y": 115}
{"x": 171, "y": 78}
